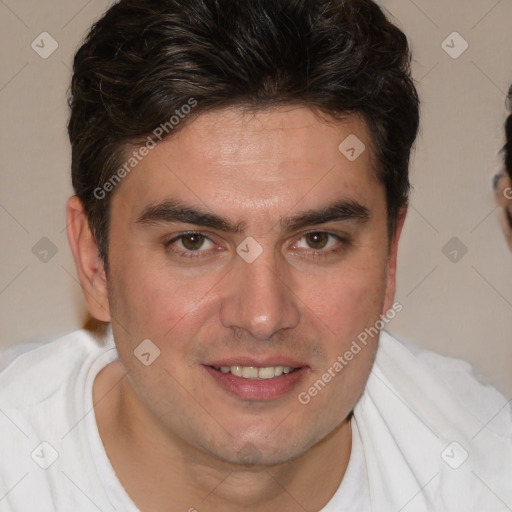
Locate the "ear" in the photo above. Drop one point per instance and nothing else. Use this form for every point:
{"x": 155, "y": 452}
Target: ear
{"x": 392, "y": 257}
{"x": 89, "y": 265}
{"x": 503, "y": 189}
{"x": 503, "y": 197}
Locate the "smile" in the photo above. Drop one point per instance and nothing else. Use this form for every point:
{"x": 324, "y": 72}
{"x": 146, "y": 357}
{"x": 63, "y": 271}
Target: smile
{"x": 255, "y": 373}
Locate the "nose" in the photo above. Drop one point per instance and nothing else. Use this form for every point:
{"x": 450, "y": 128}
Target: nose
{"x": 259, "y": 299}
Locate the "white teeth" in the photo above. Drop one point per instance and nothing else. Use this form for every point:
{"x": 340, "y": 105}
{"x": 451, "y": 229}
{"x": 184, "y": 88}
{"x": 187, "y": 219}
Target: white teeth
{"x": 265, "y": 373}
{"x": 252, "y": 372}
{"x": 236, "y": 370}
{"x": 249, "y": 372}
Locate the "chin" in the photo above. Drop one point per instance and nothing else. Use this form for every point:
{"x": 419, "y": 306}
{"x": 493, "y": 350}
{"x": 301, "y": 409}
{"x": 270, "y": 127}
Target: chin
{"x": 264, "y": 449}
{"x": 254, "y": 451}
{"x": 252, "y": 456}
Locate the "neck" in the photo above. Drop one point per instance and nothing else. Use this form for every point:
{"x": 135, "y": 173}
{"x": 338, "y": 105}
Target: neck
{"x": 157, "y": 468}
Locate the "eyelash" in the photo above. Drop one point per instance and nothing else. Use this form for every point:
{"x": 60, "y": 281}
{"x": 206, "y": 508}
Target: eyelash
{"x": 314, "y": 253}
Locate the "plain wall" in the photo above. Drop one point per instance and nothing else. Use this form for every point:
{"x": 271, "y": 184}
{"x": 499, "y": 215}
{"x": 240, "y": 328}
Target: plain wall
{"x": 460, "y": 308}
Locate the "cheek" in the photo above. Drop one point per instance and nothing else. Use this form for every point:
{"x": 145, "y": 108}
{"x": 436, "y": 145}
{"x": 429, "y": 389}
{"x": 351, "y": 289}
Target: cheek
{"x": 345, "y": 315}
{"x": 152, "y": 300}
{"x": 349, "y": 300}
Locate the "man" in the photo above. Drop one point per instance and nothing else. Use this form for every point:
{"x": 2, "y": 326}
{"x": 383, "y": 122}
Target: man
{"x": 503, "y": 180}
{"x": 241, "y": 183}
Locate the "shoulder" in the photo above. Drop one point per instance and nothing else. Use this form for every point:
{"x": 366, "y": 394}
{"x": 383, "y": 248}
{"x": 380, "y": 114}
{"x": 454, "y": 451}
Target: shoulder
{"x": 31, "y": 373}
{"x": 45, "y": 400}
{"x": 470, "y": 389}
{"x": 426, "y": 415}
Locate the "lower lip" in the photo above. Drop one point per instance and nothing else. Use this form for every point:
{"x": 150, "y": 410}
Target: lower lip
{"x": 256, "y": 389}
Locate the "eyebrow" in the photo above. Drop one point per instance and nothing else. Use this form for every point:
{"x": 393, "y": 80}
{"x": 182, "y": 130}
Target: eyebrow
{"x": 171, "y": 211}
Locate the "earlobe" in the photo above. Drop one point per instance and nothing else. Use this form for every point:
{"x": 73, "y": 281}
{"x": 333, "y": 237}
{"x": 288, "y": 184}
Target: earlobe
{"x": 392, "y": 258}
{"x": 89, "y": 265}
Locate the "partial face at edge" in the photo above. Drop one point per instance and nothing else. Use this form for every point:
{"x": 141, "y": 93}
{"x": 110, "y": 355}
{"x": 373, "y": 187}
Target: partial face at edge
{"x": 503, "y": 193}
{"x": 300, "y": 303}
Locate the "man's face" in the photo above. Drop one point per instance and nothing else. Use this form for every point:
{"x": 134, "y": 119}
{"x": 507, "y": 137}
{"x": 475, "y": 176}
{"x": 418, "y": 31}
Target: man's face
{"x": 503, "y": 192}
{"x": 318, "y": 282}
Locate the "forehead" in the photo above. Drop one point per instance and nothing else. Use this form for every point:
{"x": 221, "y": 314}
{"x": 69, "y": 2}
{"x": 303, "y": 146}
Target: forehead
{"x": 267, "y": 139}
{"x": 234, "y": 158}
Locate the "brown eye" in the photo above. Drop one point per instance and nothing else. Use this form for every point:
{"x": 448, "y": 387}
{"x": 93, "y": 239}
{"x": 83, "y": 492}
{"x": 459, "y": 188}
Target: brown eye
{"x": 321, "y": 244}
{"x": 192, "y": 245}
{"x": 317, "y": 240}
{"x": 192, "y": 241}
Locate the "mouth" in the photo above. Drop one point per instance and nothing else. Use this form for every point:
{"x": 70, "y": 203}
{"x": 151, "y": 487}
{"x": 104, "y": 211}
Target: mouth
{"x": 257, "y": 382}
{"x": 255, "y": 373}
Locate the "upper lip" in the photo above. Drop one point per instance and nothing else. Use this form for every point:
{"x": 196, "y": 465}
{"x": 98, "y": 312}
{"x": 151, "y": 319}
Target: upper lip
{"x": 263, "y": 362}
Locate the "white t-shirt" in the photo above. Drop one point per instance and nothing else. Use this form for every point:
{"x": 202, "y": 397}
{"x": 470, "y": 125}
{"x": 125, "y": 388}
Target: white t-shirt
{"x": 51, "y": 455}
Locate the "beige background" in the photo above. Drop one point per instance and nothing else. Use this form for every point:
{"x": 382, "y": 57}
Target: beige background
{"x": 461, "y": 309}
